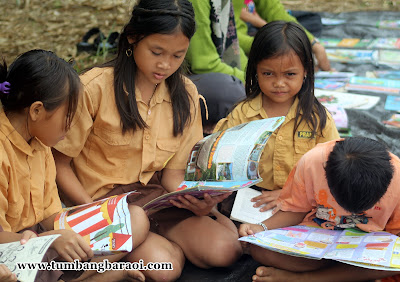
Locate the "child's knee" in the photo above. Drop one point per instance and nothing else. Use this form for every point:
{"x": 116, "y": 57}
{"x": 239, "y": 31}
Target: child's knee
{"x": 139, "y": 223}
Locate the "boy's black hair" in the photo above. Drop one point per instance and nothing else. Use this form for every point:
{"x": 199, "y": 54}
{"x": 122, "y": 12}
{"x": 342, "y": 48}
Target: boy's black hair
{"x": 152, "y": 17}
{"x": 40, "y": 75}
{"x": 280, "y": 38}
{"x": 358, "y": 172}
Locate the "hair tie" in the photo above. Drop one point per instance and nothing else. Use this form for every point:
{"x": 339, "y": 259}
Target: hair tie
{"x": 5, "y": 87}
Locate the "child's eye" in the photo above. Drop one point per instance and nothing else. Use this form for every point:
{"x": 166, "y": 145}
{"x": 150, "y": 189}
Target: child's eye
{"x": 267, "y": 73}
{"x": 155, "y": 53}
{"x": 291, "y": 74}
{"x": 177, "y": 56}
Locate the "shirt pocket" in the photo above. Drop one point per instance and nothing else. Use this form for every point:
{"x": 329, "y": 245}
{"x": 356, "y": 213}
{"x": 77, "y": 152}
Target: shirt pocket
{"x": 108, "y": 152}
{"x": 166, "y": 149}
{"x": 302, "y": 146}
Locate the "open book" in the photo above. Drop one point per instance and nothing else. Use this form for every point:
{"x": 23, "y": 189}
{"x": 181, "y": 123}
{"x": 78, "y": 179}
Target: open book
{"x": 105, "y": 224}
{"x": 243, "y": 210}
{"x": 375, "y": 250}
{"x": 31, "y": 252}
{"x": 222, "y": 162}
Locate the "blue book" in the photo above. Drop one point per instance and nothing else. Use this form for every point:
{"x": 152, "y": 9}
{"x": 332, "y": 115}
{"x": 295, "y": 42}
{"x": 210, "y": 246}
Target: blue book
{"x": 392, "y": 103}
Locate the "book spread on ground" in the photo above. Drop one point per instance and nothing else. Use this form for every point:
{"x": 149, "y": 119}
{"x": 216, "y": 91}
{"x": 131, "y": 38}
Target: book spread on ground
{"x": 393, "y": 121}
{"x": 389, "y": 74}
{"x": 346, "y": 100}
{"x": 222, "y": 162}
{"x": 392, "y": 103}
{"x": 374, "y": 85}
{"x": 32, "y": 251}
{"x": 377, "y": 43}
{"x": 377, "y": 250}
{"x": 243, "y": 209}
{"x": 105, "y": 224}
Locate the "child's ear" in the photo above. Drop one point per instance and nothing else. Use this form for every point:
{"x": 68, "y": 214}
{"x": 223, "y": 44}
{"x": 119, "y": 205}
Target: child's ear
{"x": 37, "y": 111}
{"x": 131, "y": 39}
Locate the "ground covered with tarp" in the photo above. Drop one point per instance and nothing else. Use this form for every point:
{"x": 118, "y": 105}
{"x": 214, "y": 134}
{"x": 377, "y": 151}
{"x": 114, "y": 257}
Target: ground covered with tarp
{"x": 368, "y": 123}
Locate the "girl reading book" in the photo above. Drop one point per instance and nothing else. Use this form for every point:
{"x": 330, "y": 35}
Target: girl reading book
{"x": 39, "y": 94}
{"x": 137, "y": 122}
{"x": 280, "y": 82}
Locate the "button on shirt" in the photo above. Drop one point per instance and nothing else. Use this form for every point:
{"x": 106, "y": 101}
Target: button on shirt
{"x": 28, "y": 191}
{"x": 282, "y": 150}
{"x": 103, "y": 156}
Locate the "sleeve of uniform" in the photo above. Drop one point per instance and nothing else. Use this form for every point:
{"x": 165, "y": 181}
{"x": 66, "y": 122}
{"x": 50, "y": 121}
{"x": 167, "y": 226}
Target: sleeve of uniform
{"x": 330, "y": 131}
{"x": 81, "y": 126}
{"x": 51, "y": 201}
{"x": 293, "y": 197}
{"x": 4, "y": 182}
{"x": 202, "y": 54}
{"x": 191, "y": 134}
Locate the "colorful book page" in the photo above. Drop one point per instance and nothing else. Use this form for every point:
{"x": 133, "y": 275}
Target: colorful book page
{"x": 377, "y": 85}
{"x": 346, "y": 100}
{"x": 394, "y": 121}
{"x": 389, "y": 24}
{"x": 392, "y": 103}
{"x": 389, "y": 58}
{"x": 388, "y": 74}
{"x": 346, "y": 42}
{"x": 385, "y": 43}
{"x": 328, "y": 84}
{"x": 351, "y": 55}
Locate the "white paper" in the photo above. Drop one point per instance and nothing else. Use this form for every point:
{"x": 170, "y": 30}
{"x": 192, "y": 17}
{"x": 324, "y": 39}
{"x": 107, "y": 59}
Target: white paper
{"x": 243, "y": 209}
{"x": 32, "y": 251}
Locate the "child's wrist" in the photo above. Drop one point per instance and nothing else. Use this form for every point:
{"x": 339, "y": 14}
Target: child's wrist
{"x": 263, "y": 226}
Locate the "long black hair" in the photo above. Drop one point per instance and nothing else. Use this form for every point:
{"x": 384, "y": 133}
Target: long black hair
{"x": 151, "y": 17}
{"x": 40, "y": 75}
{"x": 279, "y": 38}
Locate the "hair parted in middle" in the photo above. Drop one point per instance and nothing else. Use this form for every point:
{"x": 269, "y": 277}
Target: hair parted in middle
{"x": 279, "y": 38}
{"x": 152, "y": 17}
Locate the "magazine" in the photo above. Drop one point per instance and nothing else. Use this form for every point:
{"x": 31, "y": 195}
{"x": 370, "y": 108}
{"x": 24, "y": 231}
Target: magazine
{"x": 389, "y": 58}
{"x": 389, "y": 24}
{"x": 105, "y": 224}
{"x": 393, "y": 121}
{"x": 222, "y": 162}
{"x": 375, "y": 85}
{"x": 346, "y": 100}
{"x": 377, "y": 250}
{"x": 377, "y": 43}
{"x": 243, "y": 209}
{"x": 388, "y": 74}
{"x": 32, "y": 251}
{"x": 352, "y": 56}
{"x": 339, "y": 115}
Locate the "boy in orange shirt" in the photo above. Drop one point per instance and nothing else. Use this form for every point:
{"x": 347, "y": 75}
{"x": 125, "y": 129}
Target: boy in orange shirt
{"x": 344, "y": 183}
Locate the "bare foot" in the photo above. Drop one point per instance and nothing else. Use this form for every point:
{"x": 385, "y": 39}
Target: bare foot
{"x": 264, "y": 273}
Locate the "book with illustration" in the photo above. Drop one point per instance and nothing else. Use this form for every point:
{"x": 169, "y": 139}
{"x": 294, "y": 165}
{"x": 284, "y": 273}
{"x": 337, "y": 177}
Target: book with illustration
{"x": 346, "y": 100}
{"x": 222, "y": 162}
{"x": 374, "y": 85}
{"x": 104, "y": 224}
{"x": 376, "y": 250}
{"x": 362, "y": 43}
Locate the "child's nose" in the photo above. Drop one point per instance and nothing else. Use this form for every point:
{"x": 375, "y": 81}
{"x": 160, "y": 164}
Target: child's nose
{"x": 278, "y": 83}
{"x": 165, "y": 64}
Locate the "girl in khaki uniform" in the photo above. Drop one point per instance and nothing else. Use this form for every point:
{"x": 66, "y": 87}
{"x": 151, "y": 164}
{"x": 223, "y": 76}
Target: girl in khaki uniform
{"x": 280, "y": 82}
{"x": 134, "y": 129}
{"x": 39, "y": 95}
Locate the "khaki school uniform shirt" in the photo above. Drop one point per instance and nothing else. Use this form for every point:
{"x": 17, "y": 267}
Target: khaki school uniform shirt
{"x": 28, "y": 191}
{"x": 103, "y": 156}
{"x": 307, "y": 190}
{"x": 282, "y": 150}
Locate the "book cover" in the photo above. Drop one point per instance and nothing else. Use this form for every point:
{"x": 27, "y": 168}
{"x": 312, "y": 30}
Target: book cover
{"x": 375, "y": 85}
{"x": 105, "y": 224}
{"x": 380, "y": 249}
{"x": 388, "y": 24}
{"x": 388, "y": 74}
{"x": 222, "y": 162}
{"x": 389, "y": 58}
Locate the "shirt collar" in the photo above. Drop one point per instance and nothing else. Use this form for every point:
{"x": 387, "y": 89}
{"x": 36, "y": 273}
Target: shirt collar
{"x": 161, "y": 94}
{"x": 16, "y": 139}
{"x": 254, "y": 108}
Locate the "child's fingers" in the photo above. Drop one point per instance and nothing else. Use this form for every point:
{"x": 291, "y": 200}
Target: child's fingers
{"x": 268, "y": 206}
{"x": 26, "y": 235}
{"x": 6, "y": 275}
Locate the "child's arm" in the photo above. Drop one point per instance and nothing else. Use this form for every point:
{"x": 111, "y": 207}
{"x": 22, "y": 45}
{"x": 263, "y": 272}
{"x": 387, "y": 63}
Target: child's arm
{"x": 8, "y": 237}
{"x": 67, "y": 181}
{"x": 278, "y": 220}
